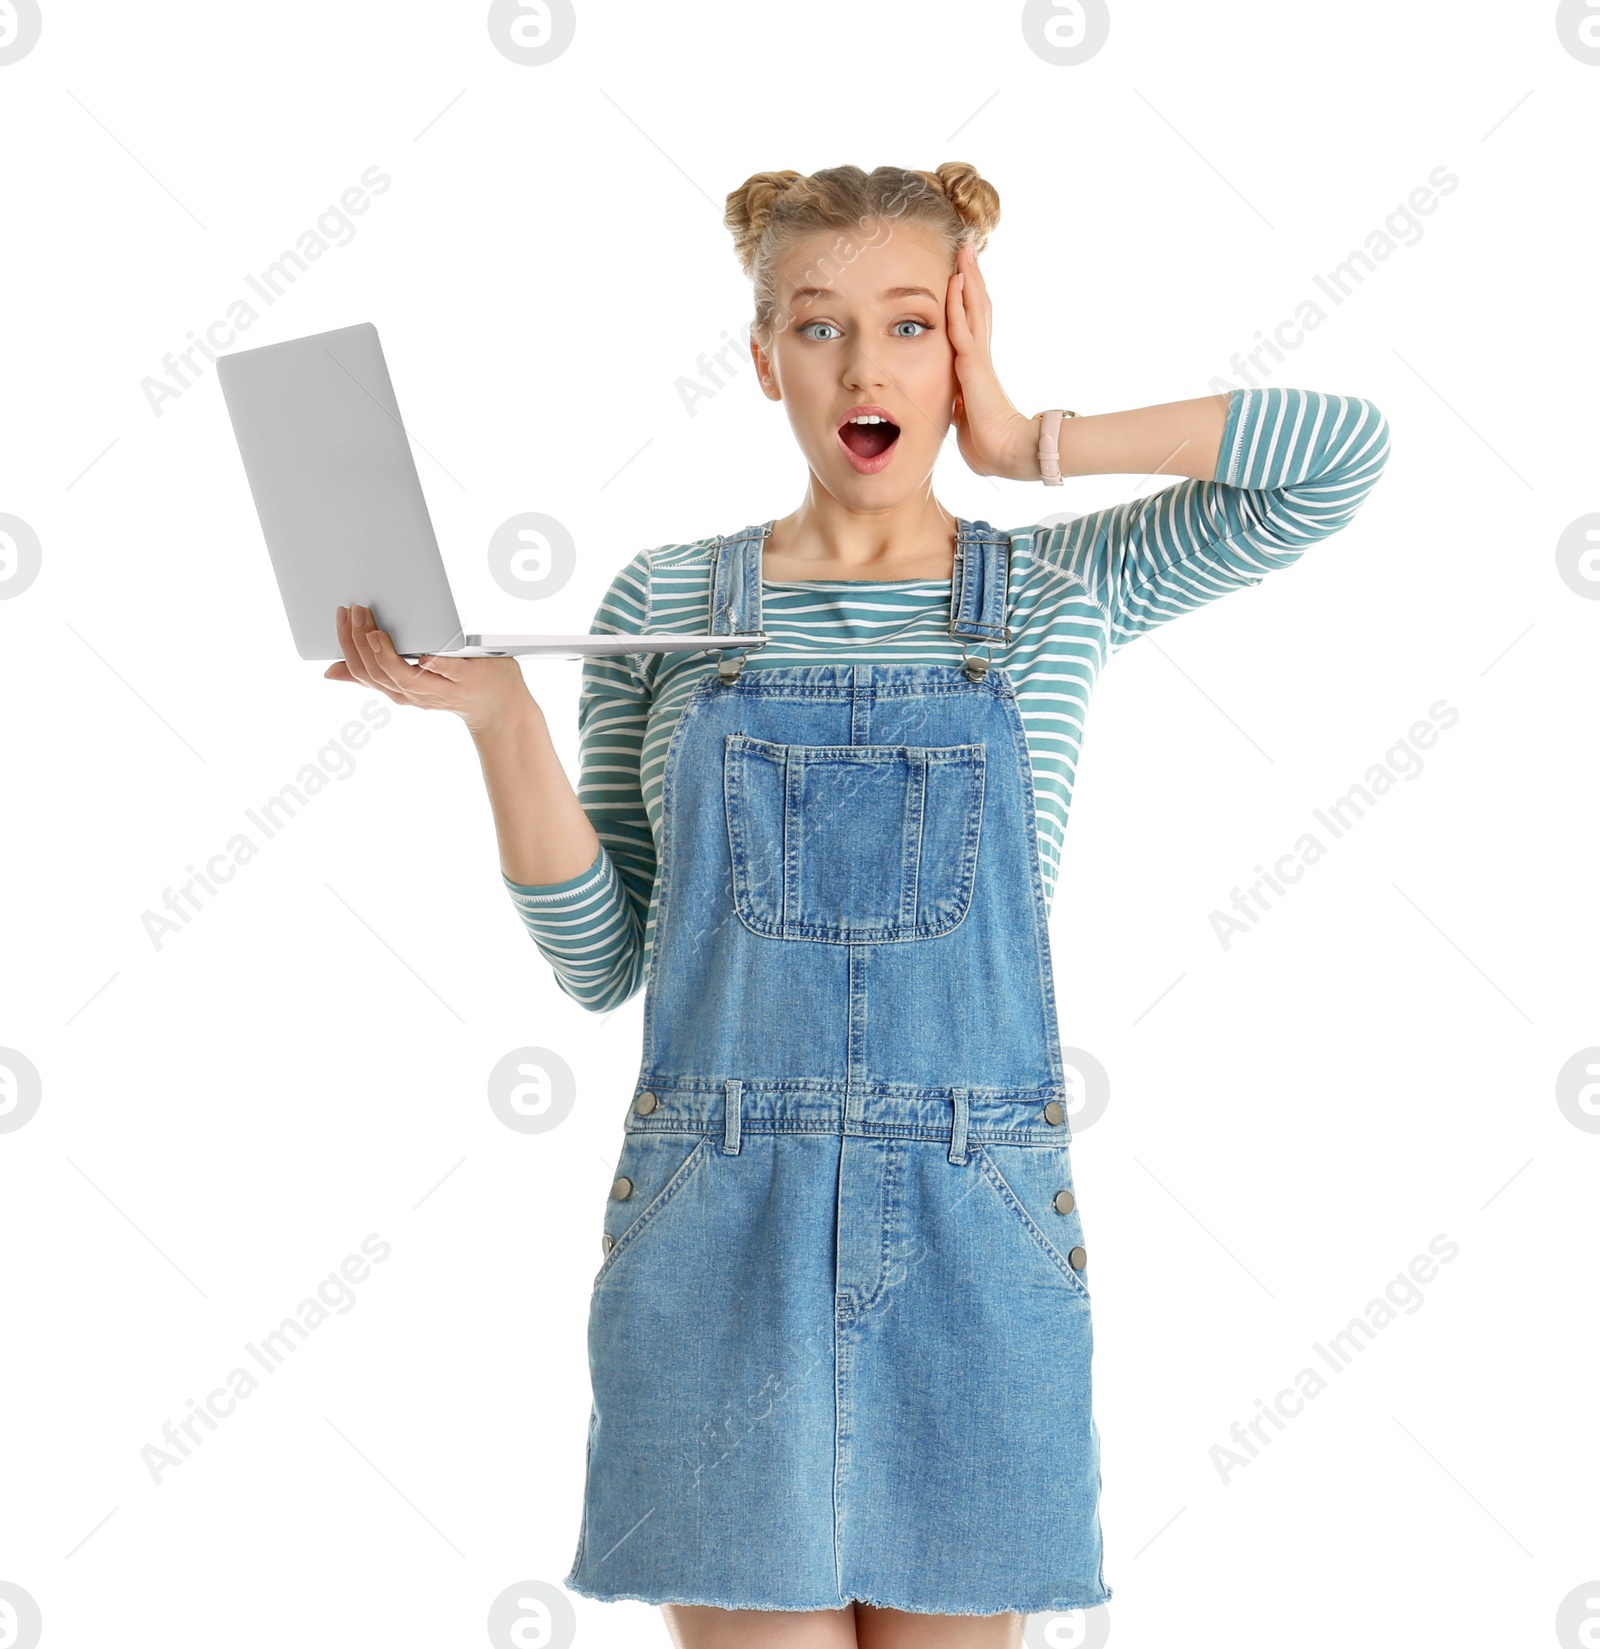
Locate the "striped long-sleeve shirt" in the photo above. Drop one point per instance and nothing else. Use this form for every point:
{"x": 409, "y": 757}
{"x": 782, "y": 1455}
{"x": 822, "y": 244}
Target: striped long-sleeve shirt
{"x": 1294, "y": 466}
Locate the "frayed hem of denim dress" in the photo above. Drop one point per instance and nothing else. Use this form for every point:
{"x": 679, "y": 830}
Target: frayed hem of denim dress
{"x": 904, "y": 1605}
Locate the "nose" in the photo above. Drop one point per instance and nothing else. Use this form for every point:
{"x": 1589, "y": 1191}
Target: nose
{"x": 863, "y": 372}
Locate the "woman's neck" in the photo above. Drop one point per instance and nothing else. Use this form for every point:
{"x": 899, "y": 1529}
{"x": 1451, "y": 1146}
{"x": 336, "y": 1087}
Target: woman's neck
{"x": 823, "y": 539}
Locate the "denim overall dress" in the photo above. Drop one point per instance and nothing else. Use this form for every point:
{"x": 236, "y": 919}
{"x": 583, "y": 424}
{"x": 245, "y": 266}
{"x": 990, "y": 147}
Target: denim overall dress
{"x": 840, "y": 1340}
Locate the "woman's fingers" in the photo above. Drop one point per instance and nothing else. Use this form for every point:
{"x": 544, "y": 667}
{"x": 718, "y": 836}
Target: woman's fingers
{"x": 447, "y": 669}
{"x": 980, "y": 312}
{"x": 341, "y": 672}
{"x": 418, "y": 686}
{"x": 961, "y": 339}
{"x": 969, "y": 308}
{"x": 464, "y": 685}
{"x": 352, "y": 645}
{"x": 438, "y": 687}
{"x": 987, "y": 425}
{"x": 354, "y": 627}
{"x": 955, "y": 305}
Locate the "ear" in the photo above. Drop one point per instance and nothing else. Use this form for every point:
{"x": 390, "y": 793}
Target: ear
{"x": 764, "y": 374}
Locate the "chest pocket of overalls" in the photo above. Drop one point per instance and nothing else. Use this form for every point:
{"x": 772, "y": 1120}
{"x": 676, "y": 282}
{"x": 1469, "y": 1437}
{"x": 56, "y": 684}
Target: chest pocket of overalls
{"x": 852, "y": 843}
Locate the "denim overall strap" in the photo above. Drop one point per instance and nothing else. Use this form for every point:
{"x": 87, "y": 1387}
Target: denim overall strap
{"x": 736, "y": 595}
{"x": 979, "y": 588}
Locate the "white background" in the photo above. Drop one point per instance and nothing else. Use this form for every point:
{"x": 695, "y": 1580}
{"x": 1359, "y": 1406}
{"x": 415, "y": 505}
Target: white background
{"x": 1291, "y": 1118}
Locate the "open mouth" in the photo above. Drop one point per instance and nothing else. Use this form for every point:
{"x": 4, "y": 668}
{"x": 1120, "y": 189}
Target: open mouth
{"x": 868, "y": 440}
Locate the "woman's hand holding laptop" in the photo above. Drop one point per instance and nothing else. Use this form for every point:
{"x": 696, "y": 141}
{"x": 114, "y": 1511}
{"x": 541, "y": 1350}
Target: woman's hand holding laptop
{"x": 545, "y": 836}
{"x": 482, "y": 691}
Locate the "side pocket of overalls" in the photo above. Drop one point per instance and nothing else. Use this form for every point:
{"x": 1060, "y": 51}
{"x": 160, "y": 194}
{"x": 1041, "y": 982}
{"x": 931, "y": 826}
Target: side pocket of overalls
{"x": 1034, "y": 1184}
{"x": 654, "y": 1165}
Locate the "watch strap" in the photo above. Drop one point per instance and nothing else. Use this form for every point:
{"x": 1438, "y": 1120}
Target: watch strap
{"x": 1049, "y": 448}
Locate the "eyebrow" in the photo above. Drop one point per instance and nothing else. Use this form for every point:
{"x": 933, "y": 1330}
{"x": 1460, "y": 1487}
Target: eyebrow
{"x": 803, "y": 294}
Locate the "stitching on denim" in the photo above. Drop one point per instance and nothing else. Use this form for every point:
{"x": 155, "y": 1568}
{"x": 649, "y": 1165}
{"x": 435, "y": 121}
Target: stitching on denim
{"x": 652, "y": 1210}
{"x": 1009, "y": 1197}
{"x": 740, "y": 748}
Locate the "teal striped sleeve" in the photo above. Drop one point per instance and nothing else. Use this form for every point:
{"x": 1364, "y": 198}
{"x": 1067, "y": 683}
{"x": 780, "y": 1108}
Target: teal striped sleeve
{"x": 1294, "y": 467}
{"x": 590, "y": 927}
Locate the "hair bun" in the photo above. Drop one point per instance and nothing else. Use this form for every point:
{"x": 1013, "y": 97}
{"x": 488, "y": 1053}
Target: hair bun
{"x": 749, "y": 209}
{"x": 975, "y": 200}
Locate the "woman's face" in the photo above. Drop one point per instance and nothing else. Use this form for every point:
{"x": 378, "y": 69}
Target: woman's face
{"x": 863, "y": 327}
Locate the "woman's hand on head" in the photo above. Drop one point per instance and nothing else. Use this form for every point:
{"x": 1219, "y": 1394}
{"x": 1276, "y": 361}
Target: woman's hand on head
{"x": 482, "y": 691}
{"x": 994, "y": 438}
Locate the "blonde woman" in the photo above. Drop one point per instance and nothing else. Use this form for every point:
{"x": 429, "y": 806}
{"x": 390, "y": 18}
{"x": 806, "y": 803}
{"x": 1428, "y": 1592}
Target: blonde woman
{"x": 840, "y": 1336}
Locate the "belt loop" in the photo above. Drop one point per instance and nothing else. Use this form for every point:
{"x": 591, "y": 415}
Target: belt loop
{"x": 731, "y": 1117}
{"x": 958, "y": 1126}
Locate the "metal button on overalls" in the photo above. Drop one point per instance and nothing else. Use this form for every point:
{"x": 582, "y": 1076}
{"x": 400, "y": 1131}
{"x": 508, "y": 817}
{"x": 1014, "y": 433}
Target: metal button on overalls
{"x": 835, "y": 1304}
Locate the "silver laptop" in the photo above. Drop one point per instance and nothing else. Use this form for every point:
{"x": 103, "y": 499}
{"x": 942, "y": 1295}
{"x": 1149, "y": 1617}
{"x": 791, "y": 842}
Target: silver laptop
{"x": 342, "y": 511}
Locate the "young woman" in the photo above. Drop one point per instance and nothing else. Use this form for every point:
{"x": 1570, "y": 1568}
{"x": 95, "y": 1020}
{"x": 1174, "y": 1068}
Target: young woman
{"x": 840, "y": 1337}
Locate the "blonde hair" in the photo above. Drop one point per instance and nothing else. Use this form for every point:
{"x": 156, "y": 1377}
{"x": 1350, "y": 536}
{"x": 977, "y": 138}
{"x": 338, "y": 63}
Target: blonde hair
{"x": 770, "y": 210}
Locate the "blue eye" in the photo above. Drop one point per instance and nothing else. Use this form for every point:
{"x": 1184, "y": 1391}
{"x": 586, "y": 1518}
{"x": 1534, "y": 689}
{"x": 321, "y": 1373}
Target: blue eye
{"x": 923, "y": 324}
{"x": 805, "y": 331}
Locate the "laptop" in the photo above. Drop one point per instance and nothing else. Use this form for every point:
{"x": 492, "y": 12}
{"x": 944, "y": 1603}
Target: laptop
{"x": 341, "y": 507}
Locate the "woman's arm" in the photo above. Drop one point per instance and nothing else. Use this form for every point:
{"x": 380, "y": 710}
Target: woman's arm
{"x": 542, "y": 828}
{"x": 586, "y": 909}
{"x": 584, "y": 914}
{"x": 1290, "y": 467}
{"x": 1174, "y": 438}
{"x": 544, "y": 834}
{"x": 1270, "y": 471}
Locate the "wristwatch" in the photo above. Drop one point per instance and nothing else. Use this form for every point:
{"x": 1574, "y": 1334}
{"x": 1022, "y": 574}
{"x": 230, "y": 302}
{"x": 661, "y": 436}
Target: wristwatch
{"x": 1049, "y": 451}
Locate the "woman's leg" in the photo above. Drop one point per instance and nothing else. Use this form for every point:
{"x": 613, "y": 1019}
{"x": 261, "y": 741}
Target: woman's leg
{"x": 695, "y": 1626}
{"x": 862, "y": 1626}
{"x": 894, "y": 1629}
